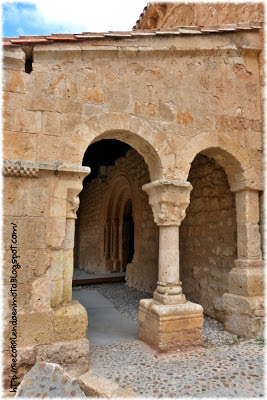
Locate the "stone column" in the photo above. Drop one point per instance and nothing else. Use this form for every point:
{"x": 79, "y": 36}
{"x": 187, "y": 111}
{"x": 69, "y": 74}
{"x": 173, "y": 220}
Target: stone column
{"x": 115, "y": 253}
{"x": 73, "y": 202}
{"x": 245, "y": 301}
{"x": 169, "y": 321}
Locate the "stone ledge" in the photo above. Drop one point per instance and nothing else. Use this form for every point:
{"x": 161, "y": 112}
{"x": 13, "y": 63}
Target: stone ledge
{"x": 94, "y": 386}
{"x": 30, "y": 169}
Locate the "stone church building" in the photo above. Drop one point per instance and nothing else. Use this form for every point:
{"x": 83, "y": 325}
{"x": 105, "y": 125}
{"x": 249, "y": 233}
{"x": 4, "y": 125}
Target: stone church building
{"x": 137, "y": 151}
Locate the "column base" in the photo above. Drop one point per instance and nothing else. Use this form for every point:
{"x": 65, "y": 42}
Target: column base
{"x": 170, "y": 327}
{"x": 169, "y": 294}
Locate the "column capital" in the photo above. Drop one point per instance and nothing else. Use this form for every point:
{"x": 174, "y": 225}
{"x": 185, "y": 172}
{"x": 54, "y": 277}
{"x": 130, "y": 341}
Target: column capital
{"x": 169, "y": 199}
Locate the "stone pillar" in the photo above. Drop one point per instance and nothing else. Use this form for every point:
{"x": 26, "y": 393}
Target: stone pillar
{"x": 169, "y": 321}
{"x": 54, "y": 328}
{"x": 244, "y": 304}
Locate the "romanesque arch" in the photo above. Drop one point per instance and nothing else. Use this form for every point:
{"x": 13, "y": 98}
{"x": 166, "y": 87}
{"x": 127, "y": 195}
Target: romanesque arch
{"x": 208, "y": 236}
{"x": 229, "y": 154}
{"x": 115, "y": 224}
{"x": 144, "y": 138}
{"x": 239, "y": 245}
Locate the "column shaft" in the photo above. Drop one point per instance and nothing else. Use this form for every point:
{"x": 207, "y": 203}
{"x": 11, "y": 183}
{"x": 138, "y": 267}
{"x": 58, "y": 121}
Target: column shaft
{"x": 169, "y": 254}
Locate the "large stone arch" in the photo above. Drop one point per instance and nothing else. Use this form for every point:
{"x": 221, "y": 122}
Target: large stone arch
{"x": 151, "y": 144}
{"x": 246, "y": 183}
{"x": 124, "y": 179}
{"x": 229, "y": 154}
{"x": 208, "y": 236}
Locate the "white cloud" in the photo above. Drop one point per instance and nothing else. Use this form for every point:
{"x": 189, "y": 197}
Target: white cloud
{"x": 81, "y": 15}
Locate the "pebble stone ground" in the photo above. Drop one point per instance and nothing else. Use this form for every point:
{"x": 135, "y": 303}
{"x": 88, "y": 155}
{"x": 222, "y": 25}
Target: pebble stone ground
{"x": 226, "y": 366}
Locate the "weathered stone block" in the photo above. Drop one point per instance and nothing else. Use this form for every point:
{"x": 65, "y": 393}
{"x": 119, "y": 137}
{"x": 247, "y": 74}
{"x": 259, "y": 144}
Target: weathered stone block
{"x": 243, "y": 325}
{"x": 57, "y": 207}
{"x": 247, "y": 206}
{"x": 93, "y": 94}
{"x": 27, "y": 121}
{"x": 94, "y": 386}
{"x": 56, "y": 294}
{"x": 15, "y": 81}
{"x": 73, "y": 356}
{"x": 249, "y": 241}
{"x": 50, "y": 149}
{"x": 70, "y": 322}
{"x": 55, "y": 231}
{"x": 246, "y": 282}
{"x": 146, "y": 109}
{"x": 35, "y": 328}
{"x": 56, "y": 265}
{"x": 51, "y": 123}
{"x": 41, "y": 294}
{"x": 19, "y": 146}
{"x": 235, "y": 304}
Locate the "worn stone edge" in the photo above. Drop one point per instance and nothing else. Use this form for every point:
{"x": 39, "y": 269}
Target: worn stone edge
{"x": 94, "y": 386}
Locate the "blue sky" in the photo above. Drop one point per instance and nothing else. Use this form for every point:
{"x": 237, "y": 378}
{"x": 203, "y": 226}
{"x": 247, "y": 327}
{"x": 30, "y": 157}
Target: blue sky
{"x": 61, "y": 16}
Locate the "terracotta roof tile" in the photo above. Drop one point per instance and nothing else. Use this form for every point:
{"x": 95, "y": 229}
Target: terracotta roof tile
{"x": 119, "y": 34}
{"x": 181, "y": 30}
{"x": 31, "y": 37}
{"x": 143, "y": 32}
{"x": 59, "y": 39}
{"x": 90, "y": 35}
{"x": 21, "y": 41}
{"x": 9, "y": 44}
{"x": 209, "y": 29}
{"x": 164, "y": 31}
{"x": 226, "y": 27}
{"x": 192, "y": 30}
{"x": 61, "y": 35}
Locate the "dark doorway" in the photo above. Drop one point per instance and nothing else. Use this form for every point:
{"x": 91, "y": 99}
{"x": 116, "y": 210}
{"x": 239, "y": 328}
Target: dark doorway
{"x": 127, "y": 235}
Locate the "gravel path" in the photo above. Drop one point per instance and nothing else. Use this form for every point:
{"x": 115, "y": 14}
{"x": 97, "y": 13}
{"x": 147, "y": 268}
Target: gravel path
{"x": 225, "y": 366}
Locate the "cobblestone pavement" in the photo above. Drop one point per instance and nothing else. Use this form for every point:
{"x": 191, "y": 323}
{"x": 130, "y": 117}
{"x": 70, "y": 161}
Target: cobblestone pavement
{"x": 226, "y": 366}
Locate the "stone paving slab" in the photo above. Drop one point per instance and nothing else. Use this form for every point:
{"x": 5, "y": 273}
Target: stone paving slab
{"x": 91, "y": 299}
{"x": 217, "y": 371}
{"x": 106, "y": 325}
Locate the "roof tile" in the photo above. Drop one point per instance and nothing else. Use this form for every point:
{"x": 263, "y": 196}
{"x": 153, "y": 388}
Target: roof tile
{"x": 31, "y": 39}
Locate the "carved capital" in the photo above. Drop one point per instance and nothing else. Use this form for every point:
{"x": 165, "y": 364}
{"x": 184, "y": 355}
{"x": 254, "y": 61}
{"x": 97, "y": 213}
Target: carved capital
{"x": 169, "y": 200}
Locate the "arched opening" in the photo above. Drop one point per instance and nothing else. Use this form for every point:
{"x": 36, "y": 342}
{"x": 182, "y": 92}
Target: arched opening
{"x": 208, "y": 236}
{"x": 115, "y": 224}
{"x": 115, "y": 228}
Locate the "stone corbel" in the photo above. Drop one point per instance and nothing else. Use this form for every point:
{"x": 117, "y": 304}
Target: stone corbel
{"x": 73, "y": 202}
{"x": 169, "y": 200}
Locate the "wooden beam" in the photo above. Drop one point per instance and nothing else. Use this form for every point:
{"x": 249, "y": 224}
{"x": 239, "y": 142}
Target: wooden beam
{"x": 79, "y": 282}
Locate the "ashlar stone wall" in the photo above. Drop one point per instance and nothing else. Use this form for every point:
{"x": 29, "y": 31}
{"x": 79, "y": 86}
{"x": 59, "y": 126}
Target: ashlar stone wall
{"x": 92, "y": 215}
{"x": 208, "y": 245}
